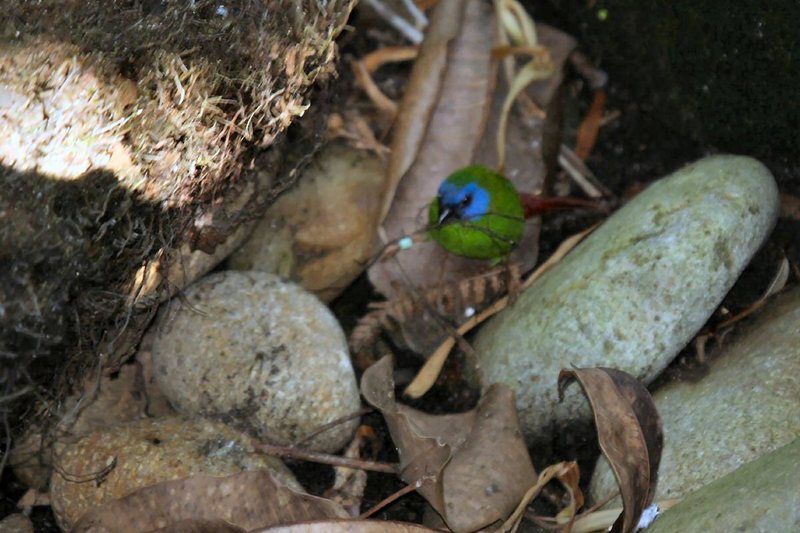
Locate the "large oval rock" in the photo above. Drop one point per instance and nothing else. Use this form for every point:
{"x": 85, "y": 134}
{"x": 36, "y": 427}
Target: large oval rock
{"x": 260, "y": 353}
{"x": 760, "y": 497}
{"x": 108, "y": 464}
{"x": 748, "y": 405}
{"x": 635, "y": 291}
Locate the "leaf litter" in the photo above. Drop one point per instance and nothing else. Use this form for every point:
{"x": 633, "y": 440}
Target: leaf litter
{"x": 472, "y": 467}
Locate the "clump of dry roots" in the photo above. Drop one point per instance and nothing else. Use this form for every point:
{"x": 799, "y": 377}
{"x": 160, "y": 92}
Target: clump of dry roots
{"x": 123, "y": 129}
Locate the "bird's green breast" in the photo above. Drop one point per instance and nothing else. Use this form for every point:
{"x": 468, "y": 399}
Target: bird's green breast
{"x": 490, "y": 236}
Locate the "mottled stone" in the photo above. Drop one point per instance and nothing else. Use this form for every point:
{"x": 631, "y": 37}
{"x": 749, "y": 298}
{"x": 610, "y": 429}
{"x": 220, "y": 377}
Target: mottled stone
{"x": 748, "y": 405}
{"x": 113, "y": 462}
{"x": 760, "y": 497}
{"x": 108, "y": 402}
{"x": 261, "y": 353}
{"x": 635, "y": 291}
{"x": 16, "y": 523}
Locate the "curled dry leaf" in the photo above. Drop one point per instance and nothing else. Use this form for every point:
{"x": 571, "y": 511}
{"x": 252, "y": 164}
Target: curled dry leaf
{"x": 250, "y": 499}
{"x": 473, "y": 468}
{"x": 446, "y": 97}
{"x": 629, "y": 432}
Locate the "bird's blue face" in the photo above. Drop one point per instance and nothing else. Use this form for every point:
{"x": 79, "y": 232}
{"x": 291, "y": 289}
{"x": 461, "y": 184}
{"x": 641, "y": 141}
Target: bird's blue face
{"x": 462, "y": 202}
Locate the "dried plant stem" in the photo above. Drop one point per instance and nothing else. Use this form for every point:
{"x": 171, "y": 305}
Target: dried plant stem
{"x": 326, "y": 458}
{"x": 580, "y": 173}
{"x": 392, "y": 497}
{"x": 332, "y": 424}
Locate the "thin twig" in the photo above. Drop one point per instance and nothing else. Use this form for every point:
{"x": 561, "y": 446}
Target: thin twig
{"x": 326, "y": 458}
{"x": 419, "y": 17}
{"x": 16, "y": 394}
{"x": 580, "y": 173}
{"x": 332, "y": 424}
{"x": 392, "y": 497}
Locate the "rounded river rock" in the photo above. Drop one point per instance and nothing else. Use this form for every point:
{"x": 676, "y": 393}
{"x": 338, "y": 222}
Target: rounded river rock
{"x": 261, "y": 353}
{"x": 635, "y": 291}
{"x": 112, "y": 462}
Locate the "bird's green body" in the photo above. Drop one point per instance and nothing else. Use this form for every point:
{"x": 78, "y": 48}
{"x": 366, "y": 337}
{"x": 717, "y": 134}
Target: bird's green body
{"x": 477, "y": 213}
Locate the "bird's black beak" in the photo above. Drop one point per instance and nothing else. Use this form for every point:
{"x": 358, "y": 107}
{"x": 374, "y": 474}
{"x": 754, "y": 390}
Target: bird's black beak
{"x": 445, "y": 213}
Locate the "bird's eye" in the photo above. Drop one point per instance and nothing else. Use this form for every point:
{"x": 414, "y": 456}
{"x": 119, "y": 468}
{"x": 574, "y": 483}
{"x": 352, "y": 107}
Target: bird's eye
{"x": 466, "y": 201}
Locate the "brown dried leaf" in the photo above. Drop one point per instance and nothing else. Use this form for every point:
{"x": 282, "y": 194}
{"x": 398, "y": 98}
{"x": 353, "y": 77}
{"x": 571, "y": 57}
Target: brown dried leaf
{"x": 199, "y": 525}
{"x": 629, "y": 431}
{"x": 249, "y": 499}
{"x": 477, "y": 462}
{"x": 349, "y": 526}
{"x": 446, "y": 95}
{"x": 422, "y": 455}
{"x": 439, "y": 127}
{"x": 490, "y": 472}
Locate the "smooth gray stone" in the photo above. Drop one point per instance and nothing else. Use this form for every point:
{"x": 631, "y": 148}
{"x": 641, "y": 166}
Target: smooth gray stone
{"x": 761, "y": 497}
{"x": 260, "y": 353}
{"x": 747, "y": 405}
{"x": 635, "y": 291}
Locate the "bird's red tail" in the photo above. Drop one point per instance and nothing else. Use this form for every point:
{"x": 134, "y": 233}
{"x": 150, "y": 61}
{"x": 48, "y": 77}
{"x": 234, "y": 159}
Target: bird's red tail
{"x": 536, "y": 205}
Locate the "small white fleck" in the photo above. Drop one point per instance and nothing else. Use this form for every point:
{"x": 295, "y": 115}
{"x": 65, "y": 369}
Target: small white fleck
{"x": 405, "y": 243}
{"x": 648, "y": 516}
{"x": 469, "y": 311}
{"x": 222, "y": 11}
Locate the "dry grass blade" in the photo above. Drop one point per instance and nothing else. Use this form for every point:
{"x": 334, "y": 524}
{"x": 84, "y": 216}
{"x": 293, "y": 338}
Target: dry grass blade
{"x": 368, "y": 64}
{"x": 430, "y": 371}
{"x": 517, "y": 27}
{"x": 367, "y": 84}
{"x": 390, "y": 54}
{"x": 565, "y": 472}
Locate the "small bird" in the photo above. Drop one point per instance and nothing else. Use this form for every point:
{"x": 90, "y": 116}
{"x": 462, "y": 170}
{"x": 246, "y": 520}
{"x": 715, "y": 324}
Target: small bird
{"x": 478, "y": 213}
